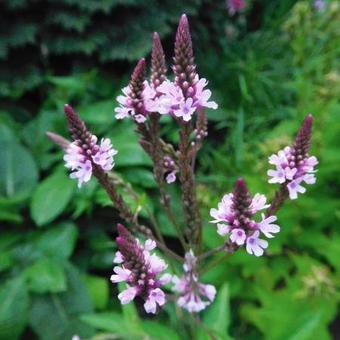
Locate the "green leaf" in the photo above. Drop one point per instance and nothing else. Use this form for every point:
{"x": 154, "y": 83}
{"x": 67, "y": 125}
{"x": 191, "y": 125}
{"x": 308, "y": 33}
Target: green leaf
{"x": 51, "y": 197}
{"x": 217, "y": 316}
{"x": 13, "y": 308}
{"x": 159, "y": 331}
{"x": 107, "y": 321}
{"x": 46, "y": 275}
{"x": 58, "y": 242}
{"x": 114, "y": 323}
{"x": 18, "y": 171}
{"x": 56, "y": 316}
{"x": 98, "y": 290}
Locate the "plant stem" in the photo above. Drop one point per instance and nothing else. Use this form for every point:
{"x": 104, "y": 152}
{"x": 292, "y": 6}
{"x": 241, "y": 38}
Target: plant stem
{"x": 189, "y": 200}
{"x": 125, "y": 212}
{"x": 280, "y": 196}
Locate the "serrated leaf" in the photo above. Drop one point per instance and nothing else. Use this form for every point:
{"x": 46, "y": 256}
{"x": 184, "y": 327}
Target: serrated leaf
{"x": 51, "y": 198}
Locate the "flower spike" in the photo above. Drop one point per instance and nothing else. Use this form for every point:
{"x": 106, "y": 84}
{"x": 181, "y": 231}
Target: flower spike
{"x": 184, "y": 67}
{"x": 294, "y": 165}
{"x": 140, "y": 270}
{"x": 84, "y": 154}
{"x": 235, "y": 217}
{"x": 158, "y": 67}
{"x": 193, "y": 295}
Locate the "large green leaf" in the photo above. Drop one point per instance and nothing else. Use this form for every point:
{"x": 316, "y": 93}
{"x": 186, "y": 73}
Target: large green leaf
{"x": 56, "y": 316}
{"x": 98, "y": 289}
{"x": 59, "y": 241}
{"x": 51, "y": 197}
{"x": 13, "y": 308}
{"x": 217, "y": 317}
{"x": 18, "y": 171}
{"x": 46, "y": 275}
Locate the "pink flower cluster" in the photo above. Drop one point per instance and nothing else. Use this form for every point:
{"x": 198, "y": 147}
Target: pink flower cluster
{"x": 81, "y": 160}
{"x": 167, "y": 98}
{"x": 126, "y": 108}
{"x": 139, "y": 269}
{"x": 235, "y": 217}
{"x": 292, "y": 170}
{"x": 193, "y": 295}
{"x": 172, "y": 100}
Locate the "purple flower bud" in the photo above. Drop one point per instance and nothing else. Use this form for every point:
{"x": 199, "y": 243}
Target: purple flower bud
{"x": 235, "y": 216}
{"x": 292, "y": 173}
{"x": 158, "y": 67}
{"x": 193, "y": 295}
{"x": 84, "y": 153}
{"x": 184, "y": 67}
{"x": 140, "y": 270}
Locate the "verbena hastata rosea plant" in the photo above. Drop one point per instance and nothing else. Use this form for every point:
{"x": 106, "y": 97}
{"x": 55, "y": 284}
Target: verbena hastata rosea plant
{"x": 237, "y": 217}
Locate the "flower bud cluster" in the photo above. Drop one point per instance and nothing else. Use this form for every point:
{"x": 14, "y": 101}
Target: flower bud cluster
{"x": 84, "y": 153}
{"x": 293, "y": 165}
{"x": 193, "y": 295}
{"x": 235, "y": 217}
{"x": 140, "y": 270}
{"x": 179, "y": 98}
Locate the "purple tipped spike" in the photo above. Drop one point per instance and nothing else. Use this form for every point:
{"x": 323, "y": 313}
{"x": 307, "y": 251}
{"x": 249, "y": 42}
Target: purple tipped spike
{"x": 241, "y": 199}
{"x": 184, "y": 66}
{"x": 158, "y": 67}
{"x": 136, "y": 86}
{"x": 303, "y": 138}
{"x": 76, "y": 126}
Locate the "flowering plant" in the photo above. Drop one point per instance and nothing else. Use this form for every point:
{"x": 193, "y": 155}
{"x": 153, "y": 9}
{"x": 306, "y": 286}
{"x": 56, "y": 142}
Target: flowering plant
{"x": 184, "y": 98}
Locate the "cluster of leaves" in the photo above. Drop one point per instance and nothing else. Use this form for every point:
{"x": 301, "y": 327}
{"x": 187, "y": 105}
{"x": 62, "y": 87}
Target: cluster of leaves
{"x": 56, "y": 242}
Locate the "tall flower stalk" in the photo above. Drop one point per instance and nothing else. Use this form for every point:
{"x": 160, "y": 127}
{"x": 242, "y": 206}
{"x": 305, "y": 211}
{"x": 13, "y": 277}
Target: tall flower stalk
{"x": 242, "y": 219}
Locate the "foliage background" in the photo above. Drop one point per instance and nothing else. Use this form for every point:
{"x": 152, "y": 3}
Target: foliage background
{"x": 268, "y": 68}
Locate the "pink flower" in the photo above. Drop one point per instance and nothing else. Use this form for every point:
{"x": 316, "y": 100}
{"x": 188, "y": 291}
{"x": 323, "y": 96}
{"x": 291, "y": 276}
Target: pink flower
{"x": 202, "y": 96}
{"x": 237, "y": 212}
{"x": 127, "y": 295}
{"x": 185, "y": 110}
{"x": 122, "y": 274}
{"x": 171, "y": 177}
{"x": 82, "y": 173}
{"x": 224, "y": 209}
{"x": 266, "y": 226}
{"x": 81, "y": 161}
{"x": 104, "y": 155}
{"x": 294, "y": 188}
{"x": 293, "y": 165}
{"x": 223, "y": 229}
{"x": 156, "y": 296}
{"x": 255, "y": 245}
{"x": 139, "y": 269}
{"x": 193, "y": 295}
{"x": 258, "y": 203}
{"x": 238, "y": 236}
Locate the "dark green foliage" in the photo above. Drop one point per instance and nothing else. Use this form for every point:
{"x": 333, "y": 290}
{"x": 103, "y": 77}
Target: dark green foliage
{"x": 42, "y": 36}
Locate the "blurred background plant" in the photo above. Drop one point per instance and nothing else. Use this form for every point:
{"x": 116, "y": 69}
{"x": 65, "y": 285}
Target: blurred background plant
{"x": 268, "y": 65}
